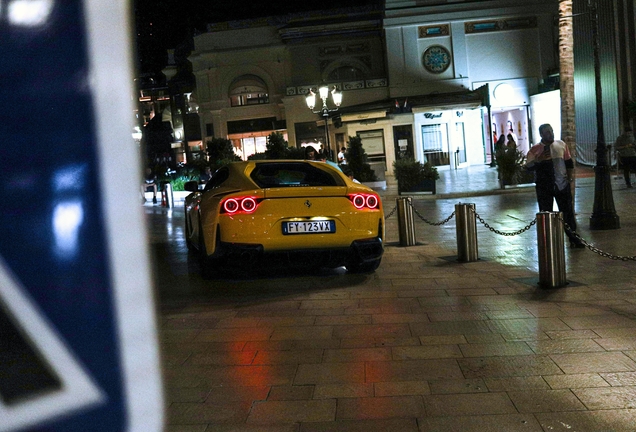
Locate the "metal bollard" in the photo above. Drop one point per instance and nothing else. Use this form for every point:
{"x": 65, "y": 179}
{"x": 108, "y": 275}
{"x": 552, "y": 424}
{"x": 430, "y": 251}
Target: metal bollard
{"x": 551, "y": 250}
{"x": 466, "y": 227}
{"x": 406, "y": 222}
{"x": 166, "y": 191}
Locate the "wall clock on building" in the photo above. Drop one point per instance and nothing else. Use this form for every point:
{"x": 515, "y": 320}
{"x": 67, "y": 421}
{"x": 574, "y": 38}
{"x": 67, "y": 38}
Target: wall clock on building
{"x": 436, "y": 59}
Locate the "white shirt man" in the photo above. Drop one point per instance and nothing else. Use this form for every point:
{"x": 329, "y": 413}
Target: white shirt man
{"x": 553, "y": 170}
{"x": 341, "y": 156}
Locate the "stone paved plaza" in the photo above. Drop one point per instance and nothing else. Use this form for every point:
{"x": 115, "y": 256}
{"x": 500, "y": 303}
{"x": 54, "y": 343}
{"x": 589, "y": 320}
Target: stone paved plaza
{"x": 423, "y": 344}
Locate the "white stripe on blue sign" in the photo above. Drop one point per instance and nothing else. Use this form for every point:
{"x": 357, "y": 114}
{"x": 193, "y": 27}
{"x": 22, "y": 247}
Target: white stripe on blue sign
{"x": 77, "y": 390}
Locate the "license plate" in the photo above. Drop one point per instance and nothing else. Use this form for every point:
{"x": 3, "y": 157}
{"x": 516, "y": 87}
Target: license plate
{"x": 312, "y": 227}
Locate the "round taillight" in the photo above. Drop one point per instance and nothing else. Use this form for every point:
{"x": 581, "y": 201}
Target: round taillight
{"x": 231, "y": 205}
{"x": 248, "y": 204}
{"x": 372, "y": 201}
{"x": 358, "y": 201}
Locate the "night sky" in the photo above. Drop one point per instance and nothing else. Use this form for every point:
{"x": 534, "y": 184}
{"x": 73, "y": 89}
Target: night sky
{"x": 166, "y": 24}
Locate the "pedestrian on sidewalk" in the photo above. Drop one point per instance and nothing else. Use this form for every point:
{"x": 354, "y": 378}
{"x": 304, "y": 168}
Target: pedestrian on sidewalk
{"x": 501, "y": 143}
{"x": 311, "y": 153}
{"x": 511, "y": 143}
{"x": 626, "y": 147}
{"x": 206, "y": 175}
{"x": 553, "y": 171}
{"x": 149, "y": 184}
{"x": 341, "y": 156}
{"x": 325, "y": 153}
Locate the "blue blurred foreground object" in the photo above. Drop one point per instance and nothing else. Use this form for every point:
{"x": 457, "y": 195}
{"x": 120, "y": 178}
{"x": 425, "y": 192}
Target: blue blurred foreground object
{"x": 78, "y": 343}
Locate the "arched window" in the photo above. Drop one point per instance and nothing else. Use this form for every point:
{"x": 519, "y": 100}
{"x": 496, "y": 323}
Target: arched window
{"x": 346, "y": 73}
{"x": 248, "y": 90}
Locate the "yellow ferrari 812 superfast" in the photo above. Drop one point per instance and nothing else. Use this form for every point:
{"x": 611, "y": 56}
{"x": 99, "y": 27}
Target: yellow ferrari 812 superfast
{"x": 284, "y": 210}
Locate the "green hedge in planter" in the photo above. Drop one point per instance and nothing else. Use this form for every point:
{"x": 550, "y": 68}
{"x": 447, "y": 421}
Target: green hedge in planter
{"x": 179, "y": 183}
{"x": 411, "y": 175}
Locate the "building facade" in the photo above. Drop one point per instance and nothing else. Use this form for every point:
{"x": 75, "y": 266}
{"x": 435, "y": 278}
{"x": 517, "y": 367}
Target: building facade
{"x": 428, "y": 80}
{"x": 253, "y": 76}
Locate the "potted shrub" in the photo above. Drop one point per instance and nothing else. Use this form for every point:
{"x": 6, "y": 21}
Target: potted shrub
{"x": 510, "y": 166}
{"x": 414, "y": 176}
{"x": 357, "y": 161}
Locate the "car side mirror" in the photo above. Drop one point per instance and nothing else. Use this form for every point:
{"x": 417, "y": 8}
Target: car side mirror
{"x": 191, "y": 186}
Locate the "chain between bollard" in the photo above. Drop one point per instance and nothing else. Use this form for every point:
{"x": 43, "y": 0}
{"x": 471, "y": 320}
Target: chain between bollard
{"x": 503, "y": 233}
{"x": 594, "y": 248}
{"x": 429, "y": 222}
{"x": 521, "y": 231}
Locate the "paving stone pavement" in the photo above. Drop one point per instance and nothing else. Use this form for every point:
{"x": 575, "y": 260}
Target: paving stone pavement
{"x": 423, "y": 344}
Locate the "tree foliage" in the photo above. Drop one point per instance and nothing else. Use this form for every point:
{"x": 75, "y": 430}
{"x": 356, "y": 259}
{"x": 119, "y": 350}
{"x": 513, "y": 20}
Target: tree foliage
{"x": 276, "y": 146}
{"x": 220, "y": 152}
{"x": 357, "y": 160}
{"x": 295, "y": 153}
{"x": 157, "y": 137}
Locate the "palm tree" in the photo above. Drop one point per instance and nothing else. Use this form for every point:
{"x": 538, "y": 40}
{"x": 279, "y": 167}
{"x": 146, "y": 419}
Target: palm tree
{"x": 566, "y": 74}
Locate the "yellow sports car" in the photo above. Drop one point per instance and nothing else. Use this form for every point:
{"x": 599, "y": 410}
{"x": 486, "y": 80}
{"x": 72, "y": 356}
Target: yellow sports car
{"x": 297, "y": 211}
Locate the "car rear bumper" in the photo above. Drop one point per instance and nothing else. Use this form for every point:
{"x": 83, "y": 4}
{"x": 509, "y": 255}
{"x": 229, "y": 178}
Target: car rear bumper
{"x": 236, "y": 254}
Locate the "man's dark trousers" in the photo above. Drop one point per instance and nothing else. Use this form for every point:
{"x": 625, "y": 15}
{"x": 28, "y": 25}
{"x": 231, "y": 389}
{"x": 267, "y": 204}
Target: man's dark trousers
{"x": 563, "y": 198}
{"x": 629, "y": 164}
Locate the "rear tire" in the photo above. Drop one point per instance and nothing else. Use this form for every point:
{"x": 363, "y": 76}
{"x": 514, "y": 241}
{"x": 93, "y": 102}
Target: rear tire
{"x": 363, "y": 267}
{"x": 206, "y": 263}
{"x": 189, "y": 244}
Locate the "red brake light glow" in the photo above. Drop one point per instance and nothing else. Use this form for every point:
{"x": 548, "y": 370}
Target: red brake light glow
{"x": 248, "y": 204}
{"x": 361, "y": 201}
{"x": 239, "y": 205}
{"x": 231, "y": 205}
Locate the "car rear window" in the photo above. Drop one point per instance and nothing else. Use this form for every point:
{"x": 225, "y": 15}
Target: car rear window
{"x": 292, "y": 174}
{"x": 217, "y": 178}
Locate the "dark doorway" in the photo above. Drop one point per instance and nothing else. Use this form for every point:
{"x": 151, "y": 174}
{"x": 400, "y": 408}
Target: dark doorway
{"x": 403, "y": 141}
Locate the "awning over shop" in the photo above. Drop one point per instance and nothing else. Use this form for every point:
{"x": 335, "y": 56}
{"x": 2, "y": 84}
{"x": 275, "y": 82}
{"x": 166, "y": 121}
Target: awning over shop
{"x": 469, "y": 99}
{"x": 446, "y": 106}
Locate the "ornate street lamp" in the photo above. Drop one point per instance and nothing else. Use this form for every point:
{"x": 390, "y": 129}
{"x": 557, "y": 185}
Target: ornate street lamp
{"x": 603, "y": 214}
{"x": 325, "y": 110}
